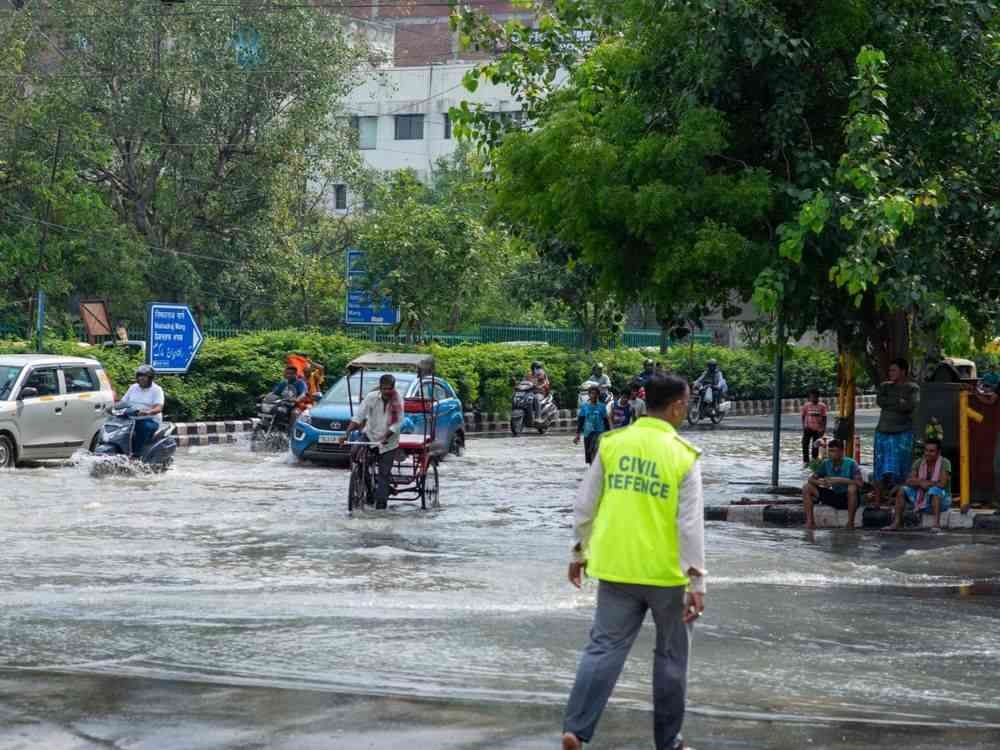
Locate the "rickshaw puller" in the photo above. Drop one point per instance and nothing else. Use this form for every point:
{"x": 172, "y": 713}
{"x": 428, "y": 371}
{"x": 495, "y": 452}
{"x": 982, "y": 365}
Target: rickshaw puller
{"x": 381, "y": 417}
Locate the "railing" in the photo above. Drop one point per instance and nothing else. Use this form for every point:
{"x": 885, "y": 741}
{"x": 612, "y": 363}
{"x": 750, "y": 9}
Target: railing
{"x": 570, "y": 338}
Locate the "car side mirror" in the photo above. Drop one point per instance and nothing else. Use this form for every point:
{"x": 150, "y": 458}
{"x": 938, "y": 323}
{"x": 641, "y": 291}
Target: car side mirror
{"x": 27, "y": 393}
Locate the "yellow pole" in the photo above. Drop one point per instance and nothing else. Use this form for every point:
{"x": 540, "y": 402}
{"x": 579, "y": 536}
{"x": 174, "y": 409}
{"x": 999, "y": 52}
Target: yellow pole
{"x": 965, "y": 474}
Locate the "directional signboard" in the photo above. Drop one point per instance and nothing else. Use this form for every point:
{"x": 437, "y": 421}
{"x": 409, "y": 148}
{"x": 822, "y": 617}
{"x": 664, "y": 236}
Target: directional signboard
{"x": 360, "y": 309}
{"x": 174, "y": 337}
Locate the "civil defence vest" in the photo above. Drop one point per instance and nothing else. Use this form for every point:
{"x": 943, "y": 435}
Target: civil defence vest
{"x": 634, "y": 537}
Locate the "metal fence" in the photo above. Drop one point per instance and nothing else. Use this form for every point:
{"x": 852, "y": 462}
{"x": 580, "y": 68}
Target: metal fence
{"x": 570, "y": 338}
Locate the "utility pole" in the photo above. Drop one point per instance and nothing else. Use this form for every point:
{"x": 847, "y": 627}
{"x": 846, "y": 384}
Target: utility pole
{"x": 779, "y": 387}
{"x": 40, "y": 302}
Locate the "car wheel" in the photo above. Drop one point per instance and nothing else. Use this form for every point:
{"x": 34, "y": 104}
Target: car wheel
{"x": 8, "y": 454}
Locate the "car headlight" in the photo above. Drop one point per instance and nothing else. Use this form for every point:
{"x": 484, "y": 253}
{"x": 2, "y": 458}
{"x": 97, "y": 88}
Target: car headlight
{"x": 306, "y": 418}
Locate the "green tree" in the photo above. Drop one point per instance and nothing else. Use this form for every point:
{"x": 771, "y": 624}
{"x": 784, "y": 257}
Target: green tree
{"x": 689, "y": 131}
{"x": 212, "y": 132}
{"x": 429, "y": 250}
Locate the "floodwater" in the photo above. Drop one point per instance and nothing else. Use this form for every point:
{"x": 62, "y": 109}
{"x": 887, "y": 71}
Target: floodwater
{"x": 234, "y": 603}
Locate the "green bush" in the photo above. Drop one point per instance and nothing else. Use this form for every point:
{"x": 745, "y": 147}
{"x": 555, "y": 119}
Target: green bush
{"x": 229, "y": 375}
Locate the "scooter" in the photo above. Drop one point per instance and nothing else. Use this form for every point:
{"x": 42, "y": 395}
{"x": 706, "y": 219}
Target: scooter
{"x": 274, "y": 423}
{"x": 113, "y": 453}
{"x": 522, "y": 413}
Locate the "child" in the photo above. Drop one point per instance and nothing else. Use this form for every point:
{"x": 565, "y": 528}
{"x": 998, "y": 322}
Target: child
{"x": 591, "y": 422}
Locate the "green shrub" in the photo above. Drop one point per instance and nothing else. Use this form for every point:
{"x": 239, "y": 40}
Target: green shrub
{"x": 229, "y": 375}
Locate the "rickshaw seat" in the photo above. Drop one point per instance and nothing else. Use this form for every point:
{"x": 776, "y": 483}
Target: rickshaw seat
{"x": 414, "y": 441}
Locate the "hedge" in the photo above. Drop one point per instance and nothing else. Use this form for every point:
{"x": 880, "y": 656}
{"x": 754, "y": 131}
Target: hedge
{"x": 230, "y": 374}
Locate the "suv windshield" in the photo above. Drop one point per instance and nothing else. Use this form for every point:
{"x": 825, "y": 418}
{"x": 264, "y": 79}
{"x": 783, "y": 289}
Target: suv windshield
{"x": 338, "y": 393}
{"x": 8, "y": 376}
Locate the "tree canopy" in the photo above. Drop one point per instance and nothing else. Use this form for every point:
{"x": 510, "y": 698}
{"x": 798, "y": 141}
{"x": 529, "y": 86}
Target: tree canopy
{"x": 839, "y": 158}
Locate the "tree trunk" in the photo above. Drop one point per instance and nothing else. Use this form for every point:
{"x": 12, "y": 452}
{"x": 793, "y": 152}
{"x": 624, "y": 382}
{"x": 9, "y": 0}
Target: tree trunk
{"x": 887, "y": 338}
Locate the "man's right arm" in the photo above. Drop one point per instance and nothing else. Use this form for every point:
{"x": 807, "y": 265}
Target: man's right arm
{"x": 691, "y": 528}
{"x": 588, "y": 498}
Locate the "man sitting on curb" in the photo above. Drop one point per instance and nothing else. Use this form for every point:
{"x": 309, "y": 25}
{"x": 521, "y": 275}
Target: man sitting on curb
{"x": 836, "y": 482}
{"x": 926, "y": 491}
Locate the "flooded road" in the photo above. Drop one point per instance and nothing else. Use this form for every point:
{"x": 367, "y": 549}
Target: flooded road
{"x": 237, "y": 571}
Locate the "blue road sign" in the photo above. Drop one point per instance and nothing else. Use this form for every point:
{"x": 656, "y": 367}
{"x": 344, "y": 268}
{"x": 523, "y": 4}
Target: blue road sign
{"x": 174, "y": 337}
{"x": 360, "y": 309}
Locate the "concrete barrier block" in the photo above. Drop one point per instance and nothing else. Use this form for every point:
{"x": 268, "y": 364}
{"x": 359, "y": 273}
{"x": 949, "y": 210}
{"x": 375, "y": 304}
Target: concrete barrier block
{"x": 986, "y": 522}
{"x": 874, "y": 518}
{"x": 955, "y": 519}
{"x": 749, "y": 514}
{"x": 717, "y": 513}
{"x": 827, "y": 517}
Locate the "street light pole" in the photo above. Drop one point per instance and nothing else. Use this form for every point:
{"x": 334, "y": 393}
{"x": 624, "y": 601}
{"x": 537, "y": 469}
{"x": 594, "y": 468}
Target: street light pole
{"x": 40, "y": 302}
{"x": 779, "y": 386}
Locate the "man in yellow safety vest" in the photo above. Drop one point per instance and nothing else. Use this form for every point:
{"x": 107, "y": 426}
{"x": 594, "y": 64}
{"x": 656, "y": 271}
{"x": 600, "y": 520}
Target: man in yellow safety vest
{"x": 640, "y": 531}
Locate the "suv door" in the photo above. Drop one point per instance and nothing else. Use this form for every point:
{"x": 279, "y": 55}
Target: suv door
{"x": 449, "y": 414}
{"x": 86, "y": 403}
{"x": 41, "y": 419}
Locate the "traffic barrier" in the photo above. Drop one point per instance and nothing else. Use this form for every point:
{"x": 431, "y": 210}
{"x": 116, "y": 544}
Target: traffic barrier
{"x": 190, "y": 434}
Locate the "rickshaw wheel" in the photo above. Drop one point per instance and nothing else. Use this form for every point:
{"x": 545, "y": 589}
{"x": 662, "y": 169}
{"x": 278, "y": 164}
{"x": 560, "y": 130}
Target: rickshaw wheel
{"x": 431, "y": 489}
{"x": 359, "y": 489}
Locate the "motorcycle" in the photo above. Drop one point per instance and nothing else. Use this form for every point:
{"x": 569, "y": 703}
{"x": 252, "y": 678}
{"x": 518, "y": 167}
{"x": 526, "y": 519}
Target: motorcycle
{"x": 707, "y": 404}
{"x": 274, "y": 424}
{"x": 523, "y": 409}
{"x": 114, "y": 445}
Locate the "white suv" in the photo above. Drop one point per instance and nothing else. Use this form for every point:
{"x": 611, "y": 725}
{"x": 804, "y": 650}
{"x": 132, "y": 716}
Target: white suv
{"x": 50, "y": 406}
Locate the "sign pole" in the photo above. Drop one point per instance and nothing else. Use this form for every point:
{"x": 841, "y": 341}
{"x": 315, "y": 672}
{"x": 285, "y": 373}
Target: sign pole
{"x": 779, "y": 386}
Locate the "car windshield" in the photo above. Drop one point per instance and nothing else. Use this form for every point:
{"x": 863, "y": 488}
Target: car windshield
{"x": 8, "y": 376}
{"x": 338, "y": 393}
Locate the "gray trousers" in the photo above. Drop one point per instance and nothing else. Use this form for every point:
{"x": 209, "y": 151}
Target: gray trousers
{"x": 385, "y": 462}
{"x": 621, "y": 608}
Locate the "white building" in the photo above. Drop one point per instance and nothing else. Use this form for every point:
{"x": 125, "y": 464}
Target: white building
{"x": 401, "y": 118}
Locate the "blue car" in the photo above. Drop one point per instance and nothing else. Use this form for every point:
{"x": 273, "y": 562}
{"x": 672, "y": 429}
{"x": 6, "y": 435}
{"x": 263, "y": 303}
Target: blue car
{"x": 317, "y": 432}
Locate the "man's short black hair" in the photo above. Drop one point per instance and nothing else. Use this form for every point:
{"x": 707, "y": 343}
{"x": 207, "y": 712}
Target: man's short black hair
{"x": 814, "y": 392}
{"x": 387, "y": 379}
{"x": 835, "y": 443}
{"x": 291, "y": 367}
{"x": 662, "y": 390}
{"x": 901, "y": 363}
{"x": 933, "y": 441}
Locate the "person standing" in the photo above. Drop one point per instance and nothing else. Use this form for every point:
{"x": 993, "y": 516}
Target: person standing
{"x": 381, "y": 416}
{"x": 591, "y": 422}
{"x": 814, "y": 416}
{"x": 636, "y": 400}
{"x": 640, "y": 531}
{"x": 898, "y": 398}
{"x": 148, "y": 396}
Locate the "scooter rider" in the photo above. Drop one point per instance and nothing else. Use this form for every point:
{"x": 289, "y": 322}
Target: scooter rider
{"x": 148, "y": 396}
{"x": 648, "y": 370}
{"x": 597, "y": 375}
{"x": 714, "y": 379}
{"x": 540, "y": 379}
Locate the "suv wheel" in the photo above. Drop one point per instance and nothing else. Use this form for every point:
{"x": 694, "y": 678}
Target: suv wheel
{"x": 7, "y": 452}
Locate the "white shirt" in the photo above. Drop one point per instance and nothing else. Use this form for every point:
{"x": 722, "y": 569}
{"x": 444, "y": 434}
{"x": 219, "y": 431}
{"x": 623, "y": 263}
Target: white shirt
{"x": 375, "y": 413}
{"x": 145, "y": 398}
{"x": 690, "y": 518}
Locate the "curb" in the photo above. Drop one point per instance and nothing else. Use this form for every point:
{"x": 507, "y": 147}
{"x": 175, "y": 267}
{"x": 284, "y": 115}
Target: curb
{"x": 828, "y": 518}
{"x": 190, "y": 434}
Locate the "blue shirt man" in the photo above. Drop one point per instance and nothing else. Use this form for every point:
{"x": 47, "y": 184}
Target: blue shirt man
{"x": 292, "y": 387}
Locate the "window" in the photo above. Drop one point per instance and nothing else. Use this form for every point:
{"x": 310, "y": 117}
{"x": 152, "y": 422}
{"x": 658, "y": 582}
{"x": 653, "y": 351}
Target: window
{"x": 45, "y": 380}
{"x": 367, "y": 128}
{"x": 340, "y": 197}
{"x": 447, "y": 127}
{"x": 441, "y": 392}
{"x": 409, "y": 127}
{"x": 80, "y": 380}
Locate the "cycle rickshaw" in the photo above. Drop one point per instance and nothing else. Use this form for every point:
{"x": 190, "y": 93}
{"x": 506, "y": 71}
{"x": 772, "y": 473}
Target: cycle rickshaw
{"x": 414, "y": 474}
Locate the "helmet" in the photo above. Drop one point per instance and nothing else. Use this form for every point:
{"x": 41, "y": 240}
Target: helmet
{"x": 536, "y": 365}
{"x": 598, "y": 365}
{"x": 647, "y": 363}
{"x": 146, "y": 370}
{"x": 712, "y": 363}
